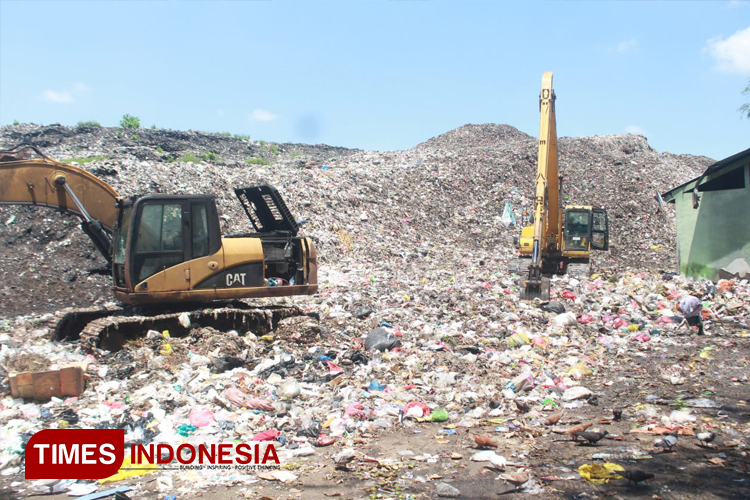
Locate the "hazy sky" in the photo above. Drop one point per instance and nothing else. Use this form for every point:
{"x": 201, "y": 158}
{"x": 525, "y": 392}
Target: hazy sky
{"x": 382, "y": 74}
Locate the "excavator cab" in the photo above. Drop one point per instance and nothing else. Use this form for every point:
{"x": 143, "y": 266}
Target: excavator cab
{"x": 170, "y": 248}
{"x": 584, "y": 229}
{"x": 156, "y": 233}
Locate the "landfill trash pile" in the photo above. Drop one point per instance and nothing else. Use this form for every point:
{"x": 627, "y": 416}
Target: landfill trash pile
{"x": 419, "y": 373}
{"x": 439, "y": 205}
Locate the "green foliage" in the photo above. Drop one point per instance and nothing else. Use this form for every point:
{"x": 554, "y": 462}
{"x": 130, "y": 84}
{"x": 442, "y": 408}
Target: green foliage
{"x": 130, "y": 122}
{"x": 262, "y": 144}
{"x": 16, "y": 122}
{"x": 153, "y": 127}
{"x": 159, "y": 150}
{"x": 84, "y": 159}
{"x": 274, "y": 149}
{"x": 192, "y": 158}
{"x": 241, "y": 136}
{"x": 119, "y": 134}
{"x": 133, "y": 137}
{"x": 745, "y": 108}
{"x": 228, "y": 134}
{"x": 295, "y": 154}
{"x": 90, "y": 123}
{"x": 189, "y": 157}
{"x": 258, "y": 161}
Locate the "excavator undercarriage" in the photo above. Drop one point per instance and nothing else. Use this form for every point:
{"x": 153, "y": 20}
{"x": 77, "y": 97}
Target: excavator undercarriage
{"x": 110, "y": 329}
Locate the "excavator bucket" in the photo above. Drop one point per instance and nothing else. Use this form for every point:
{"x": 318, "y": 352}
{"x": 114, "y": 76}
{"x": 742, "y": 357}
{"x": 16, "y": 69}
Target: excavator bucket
{"x": 535, "y": 288}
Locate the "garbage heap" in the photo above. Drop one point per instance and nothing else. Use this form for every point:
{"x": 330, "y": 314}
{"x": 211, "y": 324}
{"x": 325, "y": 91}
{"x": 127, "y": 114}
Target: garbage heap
{"x": 466, "y": 357}
{"x": 417, "y": 328}
{"x": 434, "y": 207}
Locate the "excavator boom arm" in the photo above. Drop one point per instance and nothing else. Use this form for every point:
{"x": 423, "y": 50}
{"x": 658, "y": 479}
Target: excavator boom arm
{"x": 46, "y": 182}
{"x": 546, "y": 199}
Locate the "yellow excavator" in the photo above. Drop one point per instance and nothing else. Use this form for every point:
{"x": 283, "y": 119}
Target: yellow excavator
{"x": 561, "y": 237}
{"x": 168, "y": 249}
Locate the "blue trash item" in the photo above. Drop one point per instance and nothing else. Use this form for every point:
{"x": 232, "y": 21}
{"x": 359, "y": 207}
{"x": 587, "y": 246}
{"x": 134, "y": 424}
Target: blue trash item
{"x": 508, "y": 218}
{"x": 106, "y": 493}
{"x": 376, "y": 386}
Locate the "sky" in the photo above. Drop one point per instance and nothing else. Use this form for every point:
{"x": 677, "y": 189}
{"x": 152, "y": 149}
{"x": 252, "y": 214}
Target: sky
{"x": 383, "y": 74}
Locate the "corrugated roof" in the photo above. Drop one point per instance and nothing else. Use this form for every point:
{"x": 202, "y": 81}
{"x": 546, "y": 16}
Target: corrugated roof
{"x": 712, "y": 169}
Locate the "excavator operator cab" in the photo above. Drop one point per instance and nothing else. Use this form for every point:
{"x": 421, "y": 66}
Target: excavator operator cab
{"x": 584, "y": 229}
{"x": 154, "y": 233}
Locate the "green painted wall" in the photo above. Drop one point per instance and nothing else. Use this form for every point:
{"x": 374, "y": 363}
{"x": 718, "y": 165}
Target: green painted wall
{"x": 716, "y": 233}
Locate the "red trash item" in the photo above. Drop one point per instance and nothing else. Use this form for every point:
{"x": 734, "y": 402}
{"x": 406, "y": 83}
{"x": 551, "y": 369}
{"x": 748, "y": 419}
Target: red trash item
{"x": 417, "y": 404}
{"x": 585, "y": 319}
{"x": 568, "y": 294}
{"x": 334, "y": 368}
{"x": 268, "y": 435}
{"x": 725, "y": 285}
{"x": 324, "y": 440}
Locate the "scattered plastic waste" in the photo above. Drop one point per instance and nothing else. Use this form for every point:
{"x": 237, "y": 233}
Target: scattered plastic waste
{"x": 600, "y": 473}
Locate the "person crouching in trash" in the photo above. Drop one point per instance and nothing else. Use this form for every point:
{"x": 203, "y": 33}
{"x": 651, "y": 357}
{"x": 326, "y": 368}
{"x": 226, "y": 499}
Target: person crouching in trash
{"x": 691, "y": 308}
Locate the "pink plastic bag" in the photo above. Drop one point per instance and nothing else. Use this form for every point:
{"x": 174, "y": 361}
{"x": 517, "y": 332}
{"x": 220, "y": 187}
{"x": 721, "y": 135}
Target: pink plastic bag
{"x": 355, "y": 410}
{"x": 619, "y": 323}
{"x": 201, "y": 417}
{"x": 333, "y": 368}
{"x": 235, "y": 395}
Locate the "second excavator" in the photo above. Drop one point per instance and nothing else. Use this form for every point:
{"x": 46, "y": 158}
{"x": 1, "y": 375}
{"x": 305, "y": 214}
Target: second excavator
{"x": 561, "y": 238}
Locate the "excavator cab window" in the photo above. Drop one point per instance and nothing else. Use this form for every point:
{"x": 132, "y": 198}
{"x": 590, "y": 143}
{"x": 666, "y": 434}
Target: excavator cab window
{"x": 120, "y": 239}
{"x": 599, "y": 230}
{"x": 199, "y": 229}
{"x": 577, "y": 229}
{"x": 159, "y": 235}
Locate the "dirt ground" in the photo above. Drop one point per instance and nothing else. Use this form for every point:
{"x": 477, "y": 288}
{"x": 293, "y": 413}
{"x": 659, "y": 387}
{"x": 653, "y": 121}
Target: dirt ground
{"x": 409, "y": 461}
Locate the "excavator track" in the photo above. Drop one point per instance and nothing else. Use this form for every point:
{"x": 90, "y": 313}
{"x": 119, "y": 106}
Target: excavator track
{"x": 110, "y": 329}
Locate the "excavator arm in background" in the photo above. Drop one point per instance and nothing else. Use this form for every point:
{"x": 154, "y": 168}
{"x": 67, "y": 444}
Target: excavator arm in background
{"x": 546, "y": 200}
{"x": 46, "y": 182}
{"x": 561, "y": 238}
